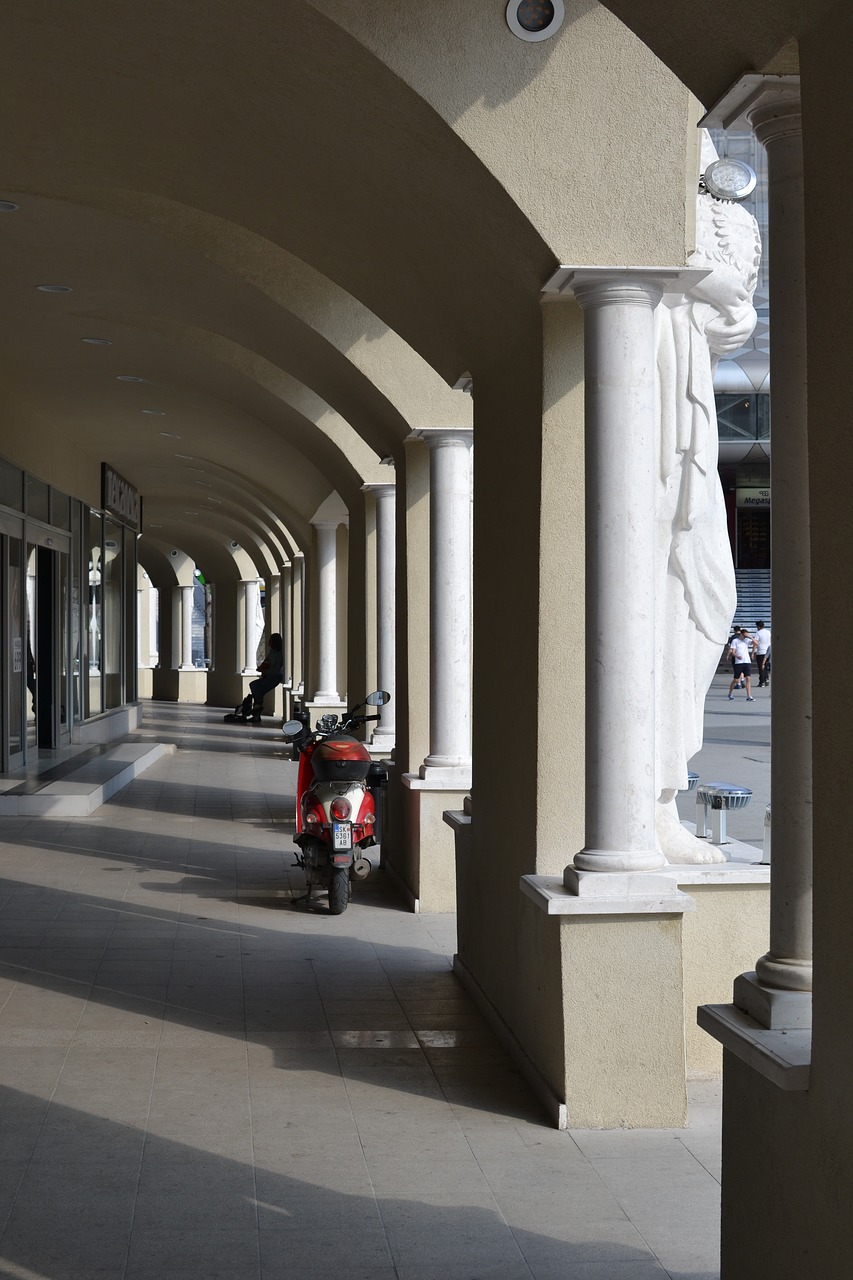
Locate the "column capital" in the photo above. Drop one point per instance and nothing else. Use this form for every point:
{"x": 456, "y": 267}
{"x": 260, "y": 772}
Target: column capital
{"x": 441, "y": 437}
{"x": 596, "y": 286}
{"x": 381, "y": 488}
{"x": 767, "y": 104}
{"x": 327, "y": 524}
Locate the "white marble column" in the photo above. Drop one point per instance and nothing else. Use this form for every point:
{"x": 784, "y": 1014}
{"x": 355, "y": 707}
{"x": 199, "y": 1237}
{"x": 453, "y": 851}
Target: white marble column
{"x": 386, "y": 535}
{"x": 327, "y": 616}
{"x": 619, "y": 357}
{"x": 251, "y": 601}
{"x": 287, "y": 622}
{"x": 449, "y": 756}
{"x": 771, "y": 106}
{"x": 187, "y": 629}
{"x": 297, "y": 600}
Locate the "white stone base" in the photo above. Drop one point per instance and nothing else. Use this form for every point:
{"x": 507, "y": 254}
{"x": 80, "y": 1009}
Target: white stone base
{"x": 450, "y": 779}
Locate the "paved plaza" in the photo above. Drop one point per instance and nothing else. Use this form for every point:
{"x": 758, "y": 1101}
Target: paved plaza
{"x": 202, "y": 1080}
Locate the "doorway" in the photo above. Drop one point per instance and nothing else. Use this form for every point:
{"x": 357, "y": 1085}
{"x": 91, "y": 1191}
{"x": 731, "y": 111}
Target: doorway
{"x": 46, "y": 634}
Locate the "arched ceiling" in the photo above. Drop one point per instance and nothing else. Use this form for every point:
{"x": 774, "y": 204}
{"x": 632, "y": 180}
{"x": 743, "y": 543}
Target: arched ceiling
{"x": 300, "y": 223}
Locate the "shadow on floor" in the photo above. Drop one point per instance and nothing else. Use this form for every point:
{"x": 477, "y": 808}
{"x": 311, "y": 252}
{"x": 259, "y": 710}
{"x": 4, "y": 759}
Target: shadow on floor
{"x": 83, "y": 1196}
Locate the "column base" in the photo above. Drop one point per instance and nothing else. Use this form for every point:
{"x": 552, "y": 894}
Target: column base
{"x": 782, "y": 974}
{"x": 327, "y": 695}
{"x": 615, "y": 860}
{"x": 626, "y": 891}
{"x": 770, "y": 1007}
{"x": 441, "y": 777}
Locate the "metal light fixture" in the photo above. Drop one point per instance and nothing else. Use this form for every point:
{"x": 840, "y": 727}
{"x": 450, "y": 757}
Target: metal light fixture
{"x": 729, "y": 180}
{"x": 535, "y": 20}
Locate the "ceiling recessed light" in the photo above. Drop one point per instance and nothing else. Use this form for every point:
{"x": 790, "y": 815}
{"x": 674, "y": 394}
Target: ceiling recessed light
{"x": 54, "y": 288}
{"x": 203, "y": 484}
{"x": 7, "y": 206}
{"x": 97, "y": 342}
{"x": 535, "y": 19}
{"x": 129, "y": 377}
{"x": 155, "y": 526}
{"x": 186, "y": 456}
{"x": 190, "y": 513}
{"x": 170, "y": 435}
{"x": 156, "y": 413}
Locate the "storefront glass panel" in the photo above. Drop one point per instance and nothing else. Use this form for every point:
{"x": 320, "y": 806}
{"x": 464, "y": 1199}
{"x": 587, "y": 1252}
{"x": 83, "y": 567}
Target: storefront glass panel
{"x": 16, "y": 647}
{"x": 31, "y": 643}
{"x": 112, "y": 614}
{"x": 11, "y": 486}
{"x": 95, "y": 619}
{"x": 131, "y": 633}
{"x": 38, "y": 500}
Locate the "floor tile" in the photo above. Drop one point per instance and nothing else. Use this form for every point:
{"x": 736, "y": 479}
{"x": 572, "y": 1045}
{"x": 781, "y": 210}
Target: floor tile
{"x": 273, "y": 1092}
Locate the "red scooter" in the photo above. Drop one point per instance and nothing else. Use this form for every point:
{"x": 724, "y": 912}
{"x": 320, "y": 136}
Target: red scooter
{"x": 335, "y": 806}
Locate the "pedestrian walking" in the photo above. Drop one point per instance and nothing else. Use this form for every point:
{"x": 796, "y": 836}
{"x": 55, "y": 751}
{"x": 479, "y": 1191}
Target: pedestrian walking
{"x": 761, "y": 653}
{"x": 742, "y": 662}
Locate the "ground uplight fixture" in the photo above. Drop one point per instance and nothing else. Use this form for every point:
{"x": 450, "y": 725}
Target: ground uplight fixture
{"x": 97, "y": 342}
{"x": 8, "y": 206}
{"x": 729, "y": 180}
{"x": 534, "y": 20}
{"x": 54, "y": 288}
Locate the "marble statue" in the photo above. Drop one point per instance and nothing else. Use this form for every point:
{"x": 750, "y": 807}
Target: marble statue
{"x": 695, "y": 582}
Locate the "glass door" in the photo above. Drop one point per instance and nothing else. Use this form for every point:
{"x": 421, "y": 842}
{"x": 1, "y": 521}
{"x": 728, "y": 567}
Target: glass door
{"x": 13, "y": 619}
{"x": 31, "y": 644}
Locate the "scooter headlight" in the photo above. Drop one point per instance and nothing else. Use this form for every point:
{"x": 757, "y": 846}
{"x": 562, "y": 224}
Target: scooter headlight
{"x": 341, "y": 809}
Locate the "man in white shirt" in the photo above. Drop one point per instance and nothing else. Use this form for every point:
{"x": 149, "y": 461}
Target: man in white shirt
{"x": 761, "y": 653}
{"x": 739, "y": 649}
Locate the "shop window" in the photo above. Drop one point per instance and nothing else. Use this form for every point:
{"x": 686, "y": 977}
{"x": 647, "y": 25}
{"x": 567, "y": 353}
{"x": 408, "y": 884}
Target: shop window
{"x": 38, "y": 500}
{"x": 60, "y": 510}
{"x": 11, "y": 486}
{"x": 95, "y": 620}
{"x": 111, "y": 587}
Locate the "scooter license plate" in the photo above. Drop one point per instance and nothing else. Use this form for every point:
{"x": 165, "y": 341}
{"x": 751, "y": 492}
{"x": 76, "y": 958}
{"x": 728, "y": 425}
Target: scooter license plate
{"x": 342, "y": 835}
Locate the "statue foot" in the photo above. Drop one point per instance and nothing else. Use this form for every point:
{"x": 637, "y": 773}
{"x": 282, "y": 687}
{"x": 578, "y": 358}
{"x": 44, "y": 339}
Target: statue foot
{"x": 677, "y": 844}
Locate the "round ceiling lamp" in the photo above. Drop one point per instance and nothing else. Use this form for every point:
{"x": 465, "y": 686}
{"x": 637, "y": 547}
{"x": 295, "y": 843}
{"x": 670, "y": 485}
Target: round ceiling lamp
{"x": 535, "y": 20}
{"x": 729, "y": 180}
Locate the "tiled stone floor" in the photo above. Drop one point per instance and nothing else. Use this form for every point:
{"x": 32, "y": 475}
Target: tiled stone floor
{"x": 201, "y": 1080}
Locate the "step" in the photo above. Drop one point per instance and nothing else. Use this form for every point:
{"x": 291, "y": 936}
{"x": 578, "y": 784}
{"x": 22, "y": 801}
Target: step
{"x": 79, "y": 784}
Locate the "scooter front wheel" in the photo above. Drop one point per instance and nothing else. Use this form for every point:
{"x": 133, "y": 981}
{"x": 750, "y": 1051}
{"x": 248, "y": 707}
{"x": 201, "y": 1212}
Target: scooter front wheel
{"x": 338, "y": 890}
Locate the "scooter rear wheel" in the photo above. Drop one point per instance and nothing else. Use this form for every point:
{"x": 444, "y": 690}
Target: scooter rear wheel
{"x": 338, "y": 890}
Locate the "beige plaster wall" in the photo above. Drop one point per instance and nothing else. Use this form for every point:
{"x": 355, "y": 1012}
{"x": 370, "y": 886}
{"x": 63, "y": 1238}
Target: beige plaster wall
{"x": 224, "y": 682}
{"x": 593, "y": 97}
{"x": 534, "y": 946}
{"x": 191, "y": 687}
{"x": 723, "y": 937}
{"x": 622, "y": 978}
{"x": 44, "y": 447}
{"x": 795, "y": 1149}
{"x": 434, "y": 840}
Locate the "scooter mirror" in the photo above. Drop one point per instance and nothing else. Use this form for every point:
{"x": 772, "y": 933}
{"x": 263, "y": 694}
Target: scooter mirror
{"x": 377, "y": 699}
{"x": 292, "y": 728}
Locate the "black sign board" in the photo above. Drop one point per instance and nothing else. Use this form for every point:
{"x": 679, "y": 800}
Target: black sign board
{"x": 120, "y": 499}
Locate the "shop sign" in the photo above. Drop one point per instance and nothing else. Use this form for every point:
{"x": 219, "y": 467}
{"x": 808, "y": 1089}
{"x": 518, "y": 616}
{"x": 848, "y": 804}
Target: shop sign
{"x": 119, "y": 498}
{"x": 753, "y": 497}
{"x": 17, "y": 654}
